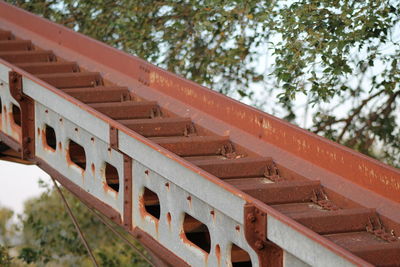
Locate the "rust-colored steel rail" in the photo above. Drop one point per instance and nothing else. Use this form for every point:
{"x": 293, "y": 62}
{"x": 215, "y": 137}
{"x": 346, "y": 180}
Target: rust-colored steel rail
{"x": 199, "y": 178}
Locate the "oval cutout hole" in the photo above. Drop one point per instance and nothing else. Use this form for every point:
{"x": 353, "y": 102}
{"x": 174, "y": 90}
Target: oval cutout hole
{"x": 16, "y": 112}
{"x": 151, "y": 203}
{"x": 112, "y": 177}
{"x": 51, "y": 139}
{"x": 77, "y": 154}
{"x": 197, "y": 233}
{"x": 240, "y": 257}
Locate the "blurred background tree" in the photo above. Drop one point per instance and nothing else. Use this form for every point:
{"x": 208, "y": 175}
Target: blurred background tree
{"x": 47, "y": 236}
{"x": 6, "y": 234}
{"x": 330, "y": 66}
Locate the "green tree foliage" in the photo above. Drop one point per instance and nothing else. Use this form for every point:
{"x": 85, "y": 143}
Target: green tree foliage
{"x": 341, "y": 54}
{"x": 5, "y": 229}
{"x": 346, "y": 51}
{"x": 49, "y": 236}
{"x": 209, "y": 42}
{"x": 5, "y": 259}
{"x": 5, "y": 235}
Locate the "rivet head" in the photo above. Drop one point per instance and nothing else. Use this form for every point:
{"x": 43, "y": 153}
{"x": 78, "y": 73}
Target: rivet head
{"x": 251, "y": 217}
{"x": 259, "y": 245}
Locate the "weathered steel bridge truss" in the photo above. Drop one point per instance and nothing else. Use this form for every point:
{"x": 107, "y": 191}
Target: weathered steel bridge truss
{"x": 198, "y": 178}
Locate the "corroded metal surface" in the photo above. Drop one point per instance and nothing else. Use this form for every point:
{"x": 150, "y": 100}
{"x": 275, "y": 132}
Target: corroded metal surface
{"x": 209, "y": 180}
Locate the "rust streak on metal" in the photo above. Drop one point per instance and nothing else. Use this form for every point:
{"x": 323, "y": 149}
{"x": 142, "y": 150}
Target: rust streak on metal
{"x": 27, "y": 115}
{"x": 255, "y": 229}
{"x": 128, "y": 192}
{"x": 108, "y": 211}
{"x": 113, "y": 137}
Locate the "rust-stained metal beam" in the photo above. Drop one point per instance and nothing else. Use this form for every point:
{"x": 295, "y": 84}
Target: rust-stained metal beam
{"x": 102, "y": 108}
{"x": 48, "y": 67}
{"x": 13, "y": 45}
{"x": 27, "y": 56}
{"x": 99, "y": 94}
{"x": 27, "y": 115}
{"x": 159, "y": 126}
{"x": 126, "y": 110}
{"x": 72, "y": 79}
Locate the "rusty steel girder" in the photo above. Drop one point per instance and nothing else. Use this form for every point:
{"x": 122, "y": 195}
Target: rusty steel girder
{"x": 198, "y": 178}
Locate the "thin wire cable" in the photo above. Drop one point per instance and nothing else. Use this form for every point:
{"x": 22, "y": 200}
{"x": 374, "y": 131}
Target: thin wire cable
{"x": 120, "y": 235}
{"x": 78, "y": 229}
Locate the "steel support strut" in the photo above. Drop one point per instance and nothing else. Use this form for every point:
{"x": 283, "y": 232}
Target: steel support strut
{"x": 26, "y": 116}
{"x": 255, "y": 228}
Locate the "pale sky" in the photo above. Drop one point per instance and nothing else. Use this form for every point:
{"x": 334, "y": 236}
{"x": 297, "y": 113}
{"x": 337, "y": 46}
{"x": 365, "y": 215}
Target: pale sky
{"x": 18, "y": 183}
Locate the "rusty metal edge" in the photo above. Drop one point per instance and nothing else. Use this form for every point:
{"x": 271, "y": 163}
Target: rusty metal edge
{"x": 27, "y": 109}
{"x": 127, "y": 192}
{"x": 10, "y": 142}
{"x": 159, "y": 250}
{"x": 324, "y": 242}
{"x": 255, "y": 230}
{"x": 309, "y": 233}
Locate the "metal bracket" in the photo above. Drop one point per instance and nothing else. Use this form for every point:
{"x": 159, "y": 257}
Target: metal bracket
{"x": 255, "y": 226}
{"x": 272, "y": 173}
{"x": 113, "y": 137}
{"x": 144, "y": 75}
{"x": 255, "y": 231}
{"x": 127, "y": 192}
{"x": 375, "y": 227}
{"x": 321, "y": 199}
{"x": 27, "y": 108}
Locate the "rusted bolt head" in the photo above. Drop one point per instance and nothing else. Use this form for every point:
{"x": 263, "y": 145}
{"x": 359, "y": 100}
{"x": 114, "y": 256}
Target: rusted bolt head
{"x": 379, "y": 232}
{"x": 259, "y": 245}
{"x": 251, "y": 217}
{"x": 27, "y": 139}
{"x": 26, "y": 151}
